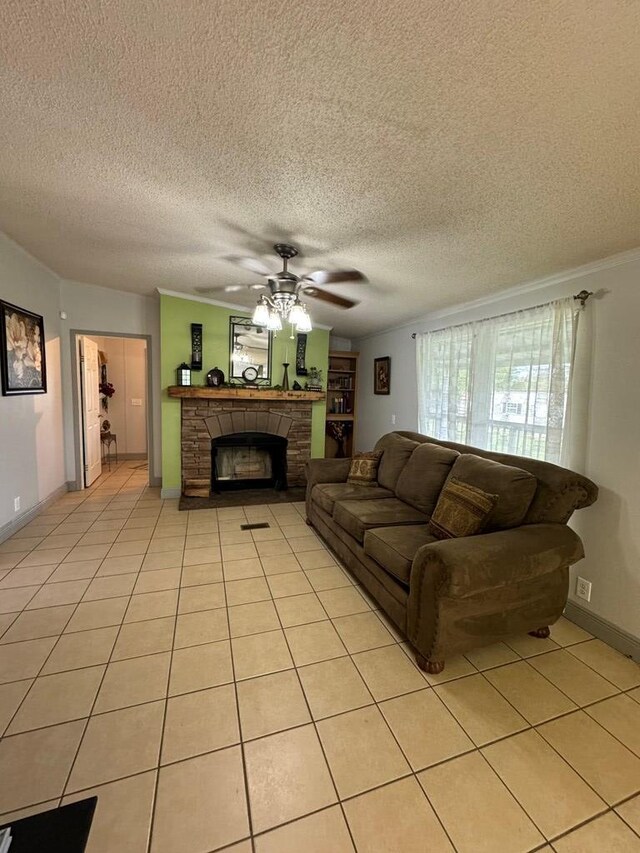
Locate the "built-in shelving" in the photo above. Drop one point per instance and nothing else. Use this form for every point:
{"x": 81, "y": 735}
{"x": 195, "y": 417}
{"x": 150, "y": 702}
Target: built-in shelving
{"x": 341, "y": 403}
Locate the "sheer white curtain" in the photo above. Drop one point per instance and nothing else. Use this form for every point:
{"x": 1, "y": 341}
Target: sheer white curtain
{"x": 509, "y": 383}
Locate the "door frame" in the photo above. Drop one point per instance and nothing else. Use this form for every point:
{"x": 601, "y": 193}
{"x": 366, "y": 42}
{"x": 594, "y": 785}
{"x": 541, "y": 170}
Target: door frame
{"x": 78, "y": 483}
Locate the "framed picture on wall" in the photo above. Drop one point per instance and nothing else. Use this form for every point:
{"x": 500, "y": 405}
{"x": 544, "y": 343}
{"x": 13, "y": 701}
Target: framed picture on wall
{"x": 382, "y": 375}
{"x": 22, "y": 351}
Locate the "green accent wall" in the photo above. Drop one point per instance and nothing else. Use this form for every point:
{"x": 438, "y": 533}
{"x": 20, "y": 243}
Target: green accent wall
{"x": 176, "y": 317}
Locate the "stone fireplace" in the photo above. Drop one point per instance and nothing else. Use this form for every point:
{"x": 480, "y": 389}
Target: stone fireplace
{"x": 212, "y": 425}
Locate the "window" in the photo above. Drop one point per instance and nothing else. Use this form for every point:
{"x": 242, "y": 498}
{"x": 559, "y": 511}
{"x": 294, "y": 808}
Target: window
{"x": 502, "y": 383}
{"x": 511, "y": 408}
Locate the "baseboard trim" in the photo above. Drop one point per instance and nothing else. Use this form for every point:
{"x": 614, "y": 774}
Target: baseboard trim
{"x": 604, "y": 630}
{"x": 11, "y": 527}
{"x": 167, "y": 494}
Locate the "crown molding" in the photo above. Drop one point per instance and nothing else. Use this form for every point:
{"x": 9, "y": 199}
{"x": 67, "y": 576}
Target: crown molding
{"x": 193, "y": 298}
{"x": 522, "y": 289}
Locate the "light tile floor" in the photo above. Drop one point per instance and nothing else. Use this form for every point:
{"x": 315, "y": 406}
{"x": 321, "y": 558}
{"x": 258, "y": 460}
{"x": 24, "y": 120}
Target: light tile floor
{"x": 228, "y": 689}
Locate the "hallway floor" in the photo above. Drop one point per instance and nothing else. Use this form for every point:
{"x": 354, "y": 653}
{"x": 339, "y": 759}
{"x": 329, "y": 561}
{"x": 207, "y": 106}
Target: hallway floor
{"x": 228, "y": 689}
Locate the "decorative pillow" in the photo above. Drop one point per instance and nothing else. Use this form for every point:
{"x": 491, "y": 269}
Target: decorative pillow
{"x": 462, "y": 510}
{"x": 514, "y": 488}
{"x": 364, "y": 468}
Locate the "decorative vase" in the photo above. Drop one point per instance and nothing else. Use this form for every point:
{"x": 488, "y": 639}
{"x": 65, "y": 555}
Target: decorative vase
{"x": 285, "y": 376}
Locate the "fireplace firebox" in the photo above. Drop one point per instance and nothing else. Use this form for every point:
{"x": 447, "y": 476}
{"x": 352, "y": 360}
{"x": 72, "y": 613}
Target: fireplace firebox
{"x": 248, "y": 460}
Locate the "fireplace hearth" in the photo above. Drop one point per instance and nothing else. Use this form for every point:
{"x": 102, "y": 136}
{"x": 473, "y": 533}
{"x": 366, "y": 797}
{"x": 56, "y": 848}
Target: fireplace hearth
{"x": 248, "y": 460}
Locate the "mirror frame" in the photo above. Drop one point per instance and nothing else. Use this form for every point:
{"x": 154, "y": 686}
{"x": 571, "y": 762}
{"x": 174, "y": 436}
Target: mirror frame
{"x": 247, "y": 323}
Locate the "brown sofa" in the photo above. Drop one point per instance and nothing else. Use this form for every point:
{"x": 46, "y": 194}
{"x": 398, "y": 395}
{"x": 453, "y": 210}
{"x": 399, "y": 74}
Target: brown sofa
{"x": 449, "y": 596}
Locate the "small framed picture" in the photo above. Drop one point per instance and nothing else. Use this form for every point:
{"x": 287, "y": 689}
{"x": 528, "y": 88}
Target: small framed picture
{"x": 382, "y": 375}
{"x": 22, "y": 351}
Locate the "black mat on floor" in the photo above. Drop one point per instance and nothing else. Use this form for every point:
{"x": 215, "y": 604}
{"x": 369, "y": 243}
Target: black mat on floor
{"x": 63, "y": 830}
{"x": 244, "y": 497}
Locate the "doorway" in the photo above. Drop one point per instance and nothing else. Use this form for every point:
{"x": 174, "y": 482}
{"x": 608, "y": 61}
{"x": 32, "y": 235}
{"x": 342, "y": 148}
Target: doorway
{"x": 112, "y": 403}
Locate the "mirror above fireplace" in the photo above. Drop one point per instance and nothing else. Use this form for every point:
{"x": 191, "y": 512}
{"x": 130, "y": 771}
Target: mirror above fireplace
{"x": 249, "y": 347}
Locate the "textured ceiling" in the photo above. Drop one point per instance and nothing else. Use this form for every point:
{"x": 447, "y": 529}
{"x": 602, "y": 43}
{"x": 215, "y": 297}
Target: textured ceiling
{"x": 447, "y": 148}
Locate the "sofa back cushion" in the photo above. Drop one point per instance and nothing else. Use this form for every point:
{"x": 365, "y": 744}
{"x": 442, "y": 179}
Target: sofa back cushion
{"x": 396, "y": 451}
{"x": 422, "y": 478}
{"x": 559, "y": 492}
{"x": 514, "y": 487}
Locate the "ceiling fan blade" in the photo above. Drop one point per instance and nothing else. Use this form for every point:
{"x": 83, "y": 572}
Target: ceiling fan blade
{"x": 255, "y": 265}
{"x": 334, "y": 276}
{"x": 326, "y": 296}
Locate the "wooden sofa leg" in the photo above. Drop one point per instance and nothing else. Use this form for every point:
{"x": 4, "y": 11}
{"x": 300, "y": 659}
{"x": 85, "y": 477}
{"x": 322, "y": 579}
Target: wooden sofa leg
{"x": 433, "y": 667}
{"x": 540, "y": 633}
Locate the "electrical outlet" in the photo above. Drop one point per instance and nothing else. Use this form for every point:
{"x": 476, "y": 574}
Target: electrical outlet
{"x": 16, "y": 504}
{"x": 393, "y": 419}
{"x": 583, "y": 589}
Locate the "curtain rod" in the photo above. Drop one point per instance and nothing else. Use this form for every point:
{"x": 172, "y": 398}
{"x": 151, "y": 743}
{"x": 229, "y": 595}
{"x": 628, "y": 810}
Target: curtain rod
{"x": 580, "y": 297}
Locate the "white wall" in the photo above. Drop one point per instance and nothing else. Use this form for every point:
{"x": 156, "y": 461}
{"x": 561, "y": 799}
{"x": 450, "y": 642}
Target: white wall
{"x": 127, "y": 372}
{"x": 337, "y": 344}
{"x": 31, "y": 431}
{"x": 99, "y": 309}
{"x": 611, "y": 528}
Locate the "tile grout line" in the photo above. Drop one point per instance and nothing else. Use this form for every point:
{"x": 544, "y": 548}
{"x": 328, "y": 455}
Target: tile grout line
{"x": 237, "y": 704}
{"x": 95, "y": 699}
{"x": 154, "y": 798}
{"x": 315, "y": 728}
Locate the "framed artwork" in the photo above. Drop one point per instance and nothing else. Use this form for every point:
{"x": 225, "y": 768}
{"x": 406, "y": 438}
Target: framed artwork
{"x": 382, "y": 375}
{"x": 22, "y": 354}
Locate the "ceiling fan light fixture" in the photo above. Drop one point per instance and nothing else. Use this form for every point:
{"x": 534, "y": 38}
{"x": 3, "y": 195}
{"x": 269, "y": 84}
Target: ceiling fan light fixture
{"x": 296, "y": 314}
{"x": 274, "y": 324}
{"x": 304, "y": 324}
{"x": 261, "y": 314}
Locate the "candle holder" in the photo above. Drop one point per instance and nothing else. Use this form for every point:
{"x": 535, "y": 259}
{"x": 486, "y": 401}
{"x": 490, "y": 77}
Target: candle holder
{"x": 285, "y": 376}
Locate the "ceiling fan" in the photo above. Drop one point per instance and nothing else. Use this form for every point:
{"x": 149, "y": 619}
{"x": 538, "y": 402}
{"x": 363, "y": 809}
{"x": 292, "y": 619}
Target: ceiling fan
{"x": 284, "y": 288}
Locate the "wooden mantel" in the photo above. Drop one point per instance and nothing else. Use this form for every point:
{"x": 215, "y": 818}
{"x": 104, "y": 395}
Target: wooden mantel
{"x": 204, "y": 392}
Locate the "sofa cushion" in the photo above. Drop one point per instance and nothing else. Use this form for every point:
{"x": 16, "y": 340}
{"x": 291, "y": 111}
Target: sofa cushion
{"x": 422, "y": 478}
{"x": 358, "y": 516}
{"x": 364, "y": 468}
{"x": 462, "y": 510}
{"x": 396, "y": 452}
{"x": 395, "y": 547}
{"x": 514, "y": 487}
{"x": 326, "y": 494}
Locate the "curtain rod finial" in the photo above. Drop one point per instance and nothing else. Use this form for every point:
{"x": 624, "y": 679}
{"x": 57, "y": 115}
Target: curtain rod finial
{"x": 583, "y": 296}
{"x": 414, "y": 335}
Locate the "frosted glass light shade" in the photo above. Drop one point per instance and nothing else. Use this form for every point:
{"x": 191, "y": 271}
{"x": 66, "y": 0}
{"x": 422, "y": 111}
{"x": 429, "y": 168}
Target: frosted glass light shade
{"x": 275, "y": 322}
{"x": 261, "y": 315}
{"x": 304, "y": 323}
{"x": 296, "y": 314}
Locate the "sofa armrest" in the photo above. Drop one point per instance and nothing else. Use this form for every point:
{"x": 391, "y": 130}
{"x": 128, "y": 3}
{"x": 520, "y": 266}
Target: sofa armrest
{"x": 487, "y": 586}
{"x": 474, "y": 564}
{"x": 327, "y": 471}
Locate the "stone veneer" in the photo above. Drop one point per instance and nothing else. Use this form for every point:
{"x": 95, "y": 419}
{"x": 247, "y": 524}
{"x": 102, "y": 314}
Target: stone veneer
{"x": 204, "y": 419}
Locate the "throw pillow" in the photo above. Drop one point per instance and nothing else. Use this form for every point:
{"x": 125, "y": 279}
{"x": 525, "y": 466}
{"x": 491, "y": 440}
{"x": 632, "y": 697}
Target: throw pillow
{"x": 462, "y": 510}
{"x": 364, "y": 468}
{"x": 514, "y": 487}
